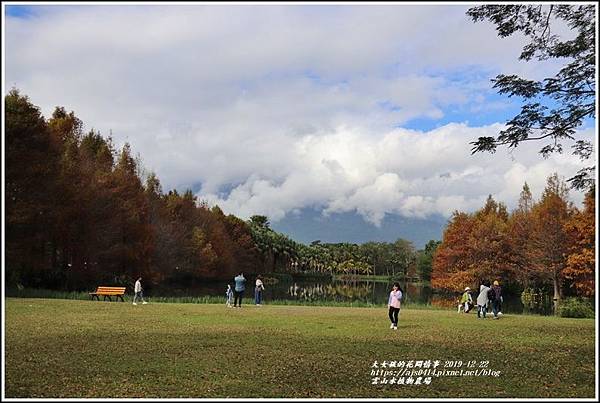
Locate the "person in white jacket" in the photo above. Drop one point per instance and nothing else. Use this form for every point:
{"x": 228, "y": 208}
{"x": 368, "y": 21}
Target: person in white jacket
{"x": 229, "y": 296}
{"x": 482, "y": 300}
{"x": 138, "y": 291}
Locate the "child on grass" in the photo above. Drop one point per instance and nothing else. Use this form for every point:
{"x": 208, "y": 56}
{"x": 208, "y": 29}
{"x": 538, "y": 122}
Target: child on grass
{"x": 229, "y": 295}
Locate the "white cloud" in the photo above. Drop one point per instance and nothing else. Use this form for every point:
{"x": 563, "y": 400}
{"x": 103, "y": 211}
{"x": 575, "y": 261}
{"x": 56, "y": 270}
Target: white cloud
{"x": 291, "y": 106}
{"x": 404, "y": 172}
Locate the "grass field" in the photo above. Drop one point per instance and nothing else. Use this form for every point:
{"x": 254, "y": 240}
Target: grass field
{"x": 71, "y": 348}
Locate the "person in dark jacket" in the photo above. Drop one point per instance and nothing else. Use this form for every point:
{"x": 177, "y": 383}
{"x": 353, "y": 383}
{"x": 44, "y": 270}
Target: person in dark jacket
{"x": 497, "y": 298}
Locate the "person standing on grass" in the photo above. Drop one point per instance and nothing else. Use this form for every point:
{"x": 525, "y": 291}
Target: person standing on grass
{"x": 394, "y": 305}
{"x": 229, "y": 295}
{"x": 482, "y": 300}
{"x": 138, "y": 292}
{"x": 258, "y": 290}
{"x": 240, "y": 286}
{"x": 497, "y": 298}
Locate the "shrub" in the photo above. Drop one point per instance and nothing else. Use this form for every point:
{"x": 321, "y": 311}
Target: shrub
{"x": 576, "y": 308}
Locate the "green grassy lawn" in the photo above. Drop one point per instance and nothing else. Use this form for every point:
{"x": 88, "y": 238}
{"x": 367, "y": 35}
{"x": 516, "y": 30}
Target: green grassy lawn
{"x": 70, "y": 348}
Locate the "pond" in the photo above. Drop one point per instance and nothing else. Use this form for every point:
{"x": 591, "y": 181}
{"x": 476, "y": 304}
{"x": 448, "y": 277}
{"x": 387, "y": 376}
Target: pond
{"x": 319, "y": 289}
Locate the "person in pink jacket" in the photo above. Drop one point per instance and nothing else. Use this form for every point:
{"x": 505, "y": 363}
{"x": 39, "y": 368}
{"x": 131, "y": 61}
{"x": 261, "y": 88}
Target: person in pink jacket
{"x": 394, "y": 305}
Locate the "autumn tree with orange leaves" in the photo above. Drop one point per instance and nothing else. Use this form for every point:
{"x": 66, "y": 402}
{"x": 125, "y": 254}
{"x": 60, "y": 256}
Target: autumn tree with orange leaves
{"x": 543, "y": 244}
{"x": 520, "y": 230}
{"x": 550, "y": 242}
{"x": 78, "y": 213}
{"x": 579, "y": 269}
{"x": 475, "y": 248}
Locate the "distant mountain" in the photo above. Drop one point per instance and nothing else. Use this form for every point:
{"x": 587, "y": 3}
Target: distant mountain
{"x": 310, "y": 225}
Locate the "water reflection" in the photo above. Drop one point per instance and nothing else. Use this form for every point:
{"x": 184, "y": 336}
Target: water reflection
{"x": 337, "y": 291}
{"x": 350, "y": 291}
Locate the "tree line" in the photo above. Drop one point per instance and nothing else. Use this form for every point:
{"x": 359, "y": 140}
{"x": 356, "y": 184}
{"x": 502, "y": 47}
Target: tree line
{"x": 395, "y": 259}
{"x": 545, "y": 245}
{"x": 79, "y": 213}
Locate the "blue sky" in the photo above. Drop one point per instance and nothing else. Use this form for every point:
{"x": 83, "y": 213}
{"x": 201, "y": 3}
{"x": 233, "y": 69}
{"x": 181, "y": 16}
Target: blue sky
{"x": 363, "y": 111}
{"x": 19, "y": 11}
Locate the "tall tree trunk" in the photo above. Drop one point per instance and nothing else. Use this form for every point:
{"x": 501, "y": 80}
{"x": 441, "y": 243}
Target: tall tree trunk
{"x": 557, "y": 292}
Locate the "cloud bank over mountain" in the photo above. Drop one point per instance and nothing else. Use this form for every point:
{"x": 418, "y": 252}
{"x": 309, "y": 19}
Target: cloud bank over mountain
{"x": 404, "y": 172}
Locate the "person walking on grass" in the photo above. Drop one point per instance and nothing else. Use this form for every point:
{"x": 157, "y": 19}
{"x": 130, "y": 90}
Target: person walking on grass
{"x": 258, "y": 290}
{"x": 497, "y": 299}
{"x": 482, "y": 300}
{"x": 137, "y": 288}
{"x": 394, "y": 305}
{"x": 229, "y": 296}
{"x": 240, "y": 286}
